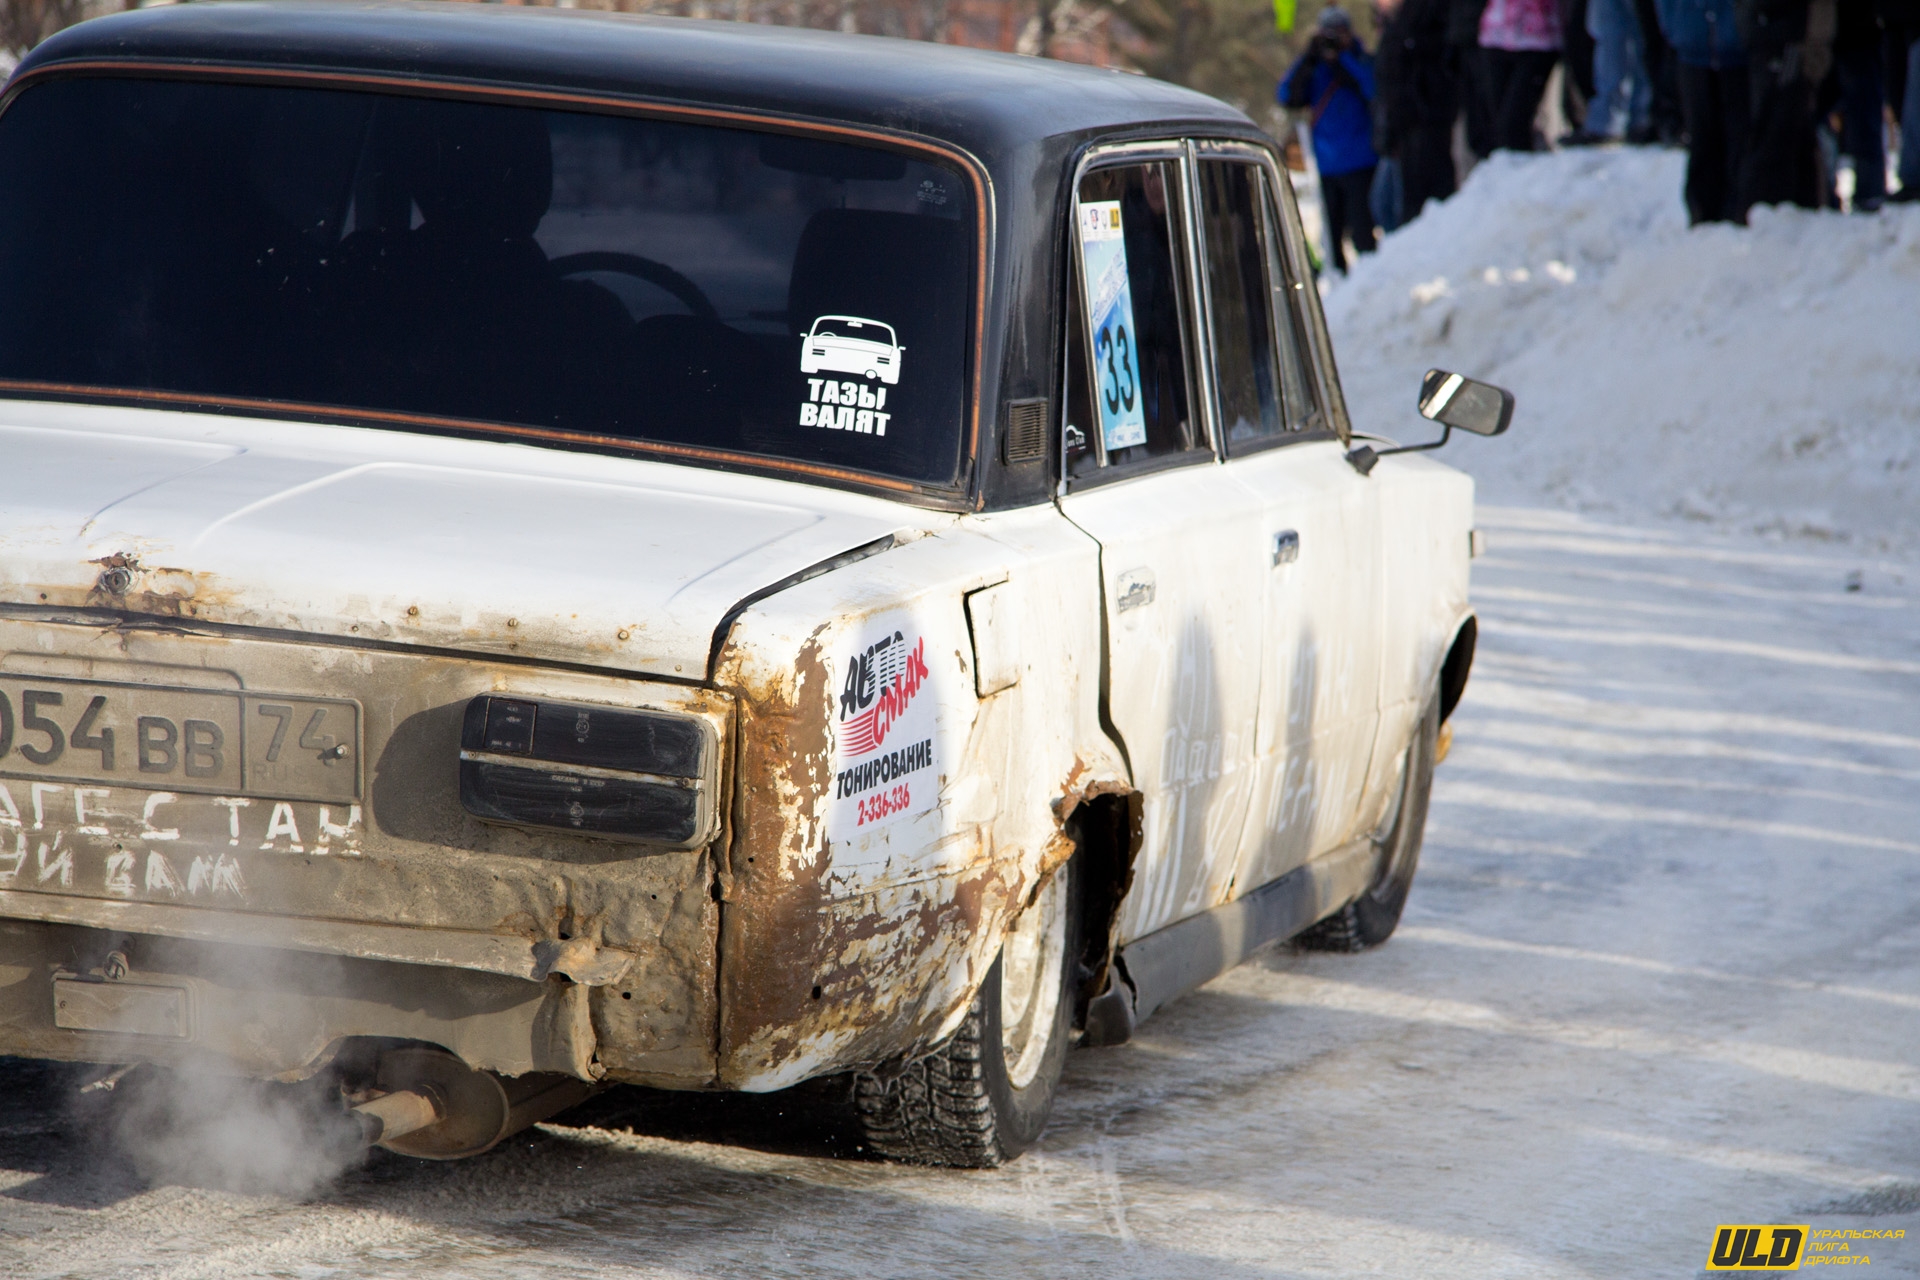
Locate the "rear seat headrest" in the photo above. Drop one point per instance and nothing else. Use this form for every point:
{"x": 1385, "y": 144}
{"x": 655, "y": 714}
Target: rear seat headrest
{"x": 481, "y": 170}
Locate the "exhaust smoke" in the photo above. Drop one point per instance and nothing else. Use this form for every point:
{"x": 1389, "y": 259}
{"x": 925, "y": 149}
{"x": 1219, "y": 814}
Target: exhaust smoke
{"x": 199, "y": 1128}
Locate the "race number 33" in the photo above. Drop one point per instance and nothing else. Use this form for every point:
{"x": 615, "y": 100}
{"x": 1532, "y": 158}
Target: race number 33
{"x": 1110, "y": 316}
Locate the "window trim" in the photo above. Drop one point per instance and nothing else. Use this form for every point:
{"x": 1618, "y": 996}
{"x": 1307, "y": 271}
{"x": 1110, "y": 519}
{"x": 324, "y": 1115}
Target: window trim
{"x": 1328, "y": 370}
{"x": 962, "y": 494}
{"x": 1196, "y": 352}
{"x": 1319, "y": 352}
{"x": 1202, "y": 300}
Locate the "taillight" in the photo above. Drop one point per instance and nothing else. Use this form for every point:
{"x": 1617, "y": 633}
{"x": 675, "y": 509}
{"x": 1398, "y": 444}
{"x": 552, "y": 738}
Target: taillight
{"x": 609, "y": 772}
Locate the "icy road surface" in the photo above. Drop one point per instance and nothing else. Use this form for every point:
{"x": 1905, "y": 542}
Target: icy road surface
{"x": 1660, "y": 971}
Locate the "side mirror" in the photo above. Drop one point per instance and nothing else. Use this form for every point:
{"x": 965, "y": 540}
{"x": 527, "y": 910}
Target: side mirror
{"x": 1452, "y": 400}
{"x": 1457, "y": 401}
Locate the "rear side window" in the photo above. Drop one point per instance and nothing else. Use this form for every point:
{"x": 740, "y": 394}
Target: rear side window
{"x": 1128, "y": 398}
{"x": 430, "y": 260}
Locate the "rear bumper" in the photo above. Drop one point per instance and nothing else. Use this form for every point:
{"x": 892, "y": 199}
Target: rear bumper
{"x": 518, "y": 950}
{"x": 268, "y": 1012}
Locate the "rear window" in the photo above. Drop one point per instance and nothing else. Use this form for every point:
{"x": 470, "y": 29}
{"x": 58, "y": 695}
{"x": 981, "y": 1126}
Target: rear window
{"x": 645, "y": 279}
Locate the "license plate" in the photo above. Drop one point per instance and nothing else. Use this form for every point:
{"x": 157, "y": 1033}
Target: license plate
{"x": 203, "y": 741}
{"x": 119, "y": 1008}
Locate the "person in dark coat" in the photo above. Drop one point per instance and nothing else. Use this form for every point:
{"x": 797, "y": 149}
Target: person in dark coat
{"x": 1333, "y": 82}
{"x": 1577, "y": 55}
{"x": 1417, "y": 102}
{"x": 1901, "y": 18}
{"x": 1789, "y": 52}
{"x": 1470, "y": 72}
{"x": 1715, "y": 101}
{"x": 1862, "y": 90}
{"x": 1663, "y": 69}
{"x": 1520, "y": 41}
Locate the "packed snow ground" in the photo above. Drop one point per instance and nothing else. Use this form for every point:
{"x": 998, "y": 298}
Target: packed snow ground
{"x": 1660, "y": 969}
{"x": 1762, "y": 379}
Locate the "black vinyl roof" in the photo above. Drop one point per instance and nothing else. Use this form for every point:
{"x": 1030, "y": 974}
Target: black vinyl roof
{"x": 983, "y": 101}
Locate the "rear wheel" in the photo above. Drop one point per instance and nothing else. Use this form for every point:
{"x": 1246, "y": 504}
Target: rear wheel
{"x": 1371, "y": 918}
{"x": 984, "y": 1095}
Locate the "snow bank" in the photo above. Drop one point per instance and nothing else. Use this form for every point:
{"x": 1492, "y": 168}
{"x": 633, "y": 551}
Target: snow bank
{"x": 1759, "y": 379}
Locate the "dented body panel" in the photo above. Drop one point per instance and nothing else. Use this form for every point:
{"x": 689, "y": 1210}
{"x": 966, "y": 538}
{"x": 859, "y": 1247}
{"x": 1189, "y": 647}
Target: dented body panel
{"x": 872, "y": 871}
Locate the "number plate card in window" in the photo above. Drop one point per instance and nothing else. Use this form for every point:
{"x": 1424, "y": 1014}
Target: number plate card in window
{"x": 1103, "y": 245}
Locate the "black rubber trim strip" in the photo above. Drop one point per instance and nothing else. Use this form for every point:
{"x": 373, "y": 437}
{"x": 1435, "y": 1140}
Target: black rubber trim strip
{"x": 720, "y": 633}
{"x": 1170, "y": 962}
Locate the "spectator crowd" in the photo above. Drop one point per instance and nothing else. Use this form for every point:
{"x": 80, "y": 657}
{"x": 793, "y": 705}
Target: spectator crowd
{"x": 1766, "y": 95}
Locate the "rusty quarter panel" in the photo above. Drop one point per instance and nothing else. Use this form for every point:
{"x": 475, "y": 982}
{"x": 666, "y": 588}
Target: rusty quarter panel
{"x": 853, "y": 930}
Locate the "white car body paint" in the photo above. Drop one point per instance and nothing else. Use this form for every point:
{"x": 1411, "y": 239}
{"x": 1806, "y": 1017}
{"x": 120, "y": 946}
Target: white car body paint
{"x": 1424, "y": 506}
{"x": 1182, "y": 558}
{"x": 1320, "y": 656}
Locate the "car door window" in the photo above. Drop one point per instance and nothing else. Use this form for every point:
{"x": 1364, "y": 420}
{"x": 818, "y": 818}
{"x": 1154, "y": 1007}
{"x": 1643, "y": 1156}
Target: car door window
{"x": 1240, "y": 303}
{"x": 1128, "y": 398}
{"x": 1264, "y": 390}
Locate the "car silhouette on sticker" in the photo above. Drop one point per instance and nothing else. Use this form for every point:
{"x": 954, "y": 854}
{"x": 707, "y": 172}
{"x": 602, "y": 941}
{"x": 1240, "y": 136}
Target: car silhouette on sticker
{"x": 852, "y": 344}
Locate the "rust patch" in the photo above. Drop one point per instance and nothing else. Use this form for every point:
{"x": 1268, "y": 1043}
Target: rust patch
{"x": 147, "y": 594}
{"x": 1079, "y": 787}
{"x": 1053, "y": 856}
{"x": 776, "y": 906}
{"x": 657, "y": 1026}
{"x": 810, "y": 981}
{"x": 126, "y": 585}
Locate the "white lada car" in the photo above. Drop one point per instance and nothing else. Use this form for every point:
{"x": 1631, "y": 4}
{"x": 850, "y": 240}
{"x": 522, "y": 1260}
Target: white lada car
{"x": 848, "y": 344}
{"x": 455, "y": 655}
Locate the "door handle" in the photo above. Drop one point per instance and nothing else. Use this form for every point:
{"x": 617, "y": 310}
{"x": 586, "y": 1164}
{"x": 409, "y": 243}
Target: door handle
{"x": 1286, "y": 547}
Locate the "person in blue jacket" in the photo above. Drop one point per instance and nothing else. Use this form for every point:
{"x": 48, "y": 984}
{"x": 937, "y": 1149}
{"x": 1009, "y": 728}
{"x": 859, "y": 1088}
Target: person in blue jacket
{"x": 1715, "y": 101}
{"x": 1333, "y": 81}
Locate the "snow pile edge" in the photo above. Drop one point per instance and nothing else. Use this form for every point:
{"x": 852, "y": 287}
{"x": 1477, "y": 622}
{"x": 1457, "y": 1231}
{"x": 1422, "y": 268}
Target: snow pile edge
{"x": 1761, "y": 379}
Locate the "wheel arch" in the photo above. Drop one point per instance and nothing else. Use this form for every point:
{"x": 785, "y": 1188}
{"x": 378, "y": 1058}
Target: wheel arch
{"x": 1106, "y": 830}
{"x": 1458, "y": 663}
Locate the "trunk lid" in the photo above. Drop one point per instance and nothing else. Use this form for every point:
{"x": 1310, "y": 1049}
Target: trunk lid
{"x": 377, "y": 535}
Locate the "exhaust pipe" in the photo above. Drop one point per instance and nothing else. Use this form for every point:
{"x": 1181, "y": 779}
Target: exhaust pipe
{"x": 395, "y": 1115}
{"x": 433, "y": 1106}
